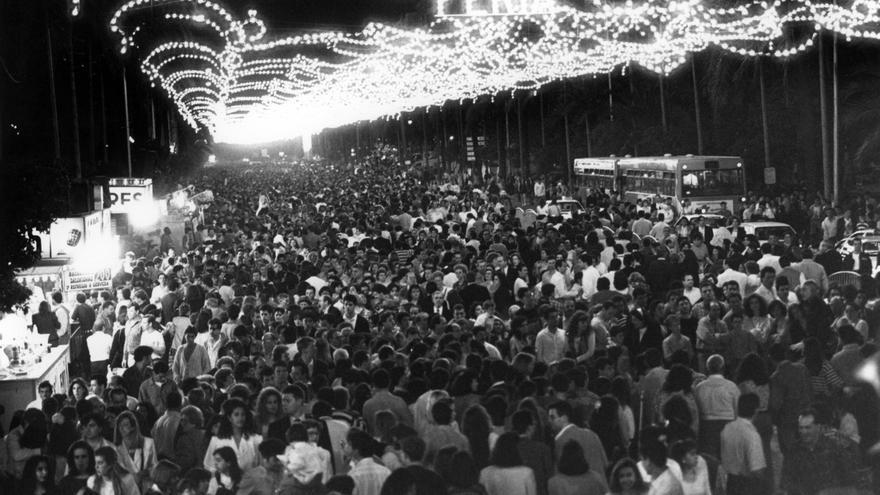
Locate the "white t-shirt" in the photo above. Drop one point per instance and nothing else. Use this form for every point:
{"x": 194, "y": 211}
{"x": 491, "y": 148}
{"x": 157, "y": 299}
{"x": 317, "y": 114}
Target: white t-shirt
{"x": 99, "y": 346}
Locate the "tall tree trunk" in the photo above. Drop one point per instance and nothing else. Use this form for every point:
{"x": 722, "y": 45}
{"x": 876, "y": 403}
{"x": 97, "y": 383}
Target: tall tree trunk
{"x": 697, "y": 116}
{"x": 765, "y": 126}
{"x": 823, "y": 112}
{"x": 77, "y": 158}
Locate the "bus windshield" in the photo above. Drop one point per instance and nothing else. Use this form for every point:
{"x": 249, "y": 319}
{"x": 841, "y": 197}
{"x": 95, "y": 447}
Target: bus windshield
{"x": 724, "y": 182}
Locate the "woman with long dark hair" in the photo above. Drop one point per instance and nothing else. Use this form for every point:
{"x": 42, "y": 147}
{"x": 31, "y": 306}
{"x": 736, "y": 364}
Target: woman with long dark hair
{"x": 137, "y": 453}
{"x": 268, "y": 408}
{"x": 464, "y": 392}
{"x": 462, "y": 476}
{"x": 574, "y": 476}
{"x": 626, "y": 479}
{"x": 678, "y": 419}
{"x": 694, "y": 470}
{"x": 47, "y": 322}
{"x": 678, "y": 383}
{"x": 477, "y": 427}
{"x": 506, "y": 473}
{"x": 235, "y": 430}
{"x": 38, "y": 477}
{"x": 80, "y": 465}
{"x": 110, "y": 478}
{"x": 581, "y": 341}
{"x": 621, "y": 391}
{"x": 77, "y": 391}
{"x": 605, "y": 421}
{"x": 756, "y": 319}
{"x": 227, "y": 472}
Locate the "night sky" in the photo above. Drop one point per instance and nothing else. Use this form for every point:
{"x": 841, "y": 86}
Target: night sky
{"x": 726, "y": 86}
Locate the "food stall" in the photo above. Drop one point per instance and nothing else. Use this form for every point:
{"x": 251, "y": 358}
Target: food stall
{"x": 79, "y": 255}
{"x": 20, "y": 381}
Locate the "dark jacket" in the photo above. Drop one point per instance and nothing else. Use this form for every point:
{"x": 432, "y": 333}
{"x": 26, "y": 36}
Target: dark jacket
{"x": 47, "y": 323}
{"x": 653, "y": 337}
{"x": 865, "y": 265}
{"x": 278, "y": 429}
{"x": 117, "y": 349}
{"x": 189, "y": 449}
{"x": 84, "y": 315}
{"x": 539, "y": 457}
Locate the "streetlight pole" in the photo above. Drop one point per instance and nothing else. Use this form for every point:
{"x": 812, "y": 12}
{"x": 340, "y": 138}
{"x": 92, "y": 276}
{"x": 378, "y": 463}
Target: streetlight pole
{"x": 77, "y": 159}
{"x": 127, "y": 121}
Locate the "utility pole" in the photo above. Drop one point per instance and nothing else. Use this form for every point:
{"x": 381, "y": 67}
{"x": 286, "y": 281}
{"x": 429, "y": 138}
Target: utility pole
{"x": 127, "y": 121}
{"x": 543, "y": 133}
{"x": 524, "y": 169}
{"x": 77, "y": 159}
{"x": 53, "y": 100}
{"x": 697, "y": 117}
{"x": 91, "y": 107}
{"x": 568, "y": 164}
{"x": 835, "y": 132}
{"x": 663, "y": 105}
{"x": 105, "y": 151}
{"x": 425, "y": 138}
{"x": 507, "y": 136}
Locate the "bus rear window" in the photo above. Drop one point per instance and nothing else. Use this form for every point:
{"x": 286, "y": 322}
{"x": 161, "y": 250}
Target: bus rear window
{"x": 725, "y": 182}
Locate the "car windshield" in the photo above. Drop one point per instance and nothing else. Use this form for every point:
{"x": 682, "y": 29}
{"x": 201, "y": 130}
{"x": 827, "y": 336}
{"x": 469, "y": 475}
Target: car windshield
{"x": 728, "y": 182}
{"x": 764, "y": 233}
{"x": 708, "y": 221}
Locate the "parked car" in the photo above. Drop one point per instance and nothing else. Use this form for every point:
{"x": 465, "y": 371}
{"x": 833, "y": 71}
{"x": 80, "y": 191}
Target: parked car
{"x": 870, "y": 243}
{"x": 712, "y": 220}
{"x": 763, "y": 230}
{"x": 567, "y": 206}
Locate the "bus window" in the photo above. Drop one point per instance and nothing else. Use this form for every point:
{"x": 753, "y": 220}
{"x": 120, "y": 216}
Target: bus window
{"x": 725, "y": 182}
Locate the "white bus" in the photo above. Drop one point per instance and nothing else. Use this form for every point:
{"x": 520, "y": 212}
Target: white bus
{"x": 707, "y": 181}
{"x": 596, "y": 173}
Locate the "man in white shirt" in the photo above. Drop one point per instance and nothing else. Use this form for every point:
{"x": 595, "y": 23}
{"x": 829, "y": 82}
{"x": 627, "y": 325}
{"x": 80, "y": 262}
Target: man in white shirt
{"x": 829, "y": 226}
{"x": 768, "y": 259}
{"x": 368, "y": 476}
{"x": 63, "y": 315}
{"x": 550, "y": 342}
{"x": 766, "y": 290}
{"x": 716, "y": 399}
{"x": 742, "y": 452}
{"x": 690, "y": 291}
{"x": 660, "y": 228}
{"x": 45, "y": 391}
{"x": 558, "y": 279}
{"x": 642, "y": 226}
{"x": 719, "y": 235}
{"x": 661, "y": 473}
{"x": 99, "y": 343}
{"x": 731, "y": 272}
{"x": 590, "y": 276}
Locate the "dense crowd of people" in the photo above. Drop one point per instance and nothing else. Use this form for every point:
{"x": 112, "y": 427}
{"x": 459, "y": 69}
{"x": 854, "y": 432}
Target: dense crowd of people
{"x": 378, "y": 330}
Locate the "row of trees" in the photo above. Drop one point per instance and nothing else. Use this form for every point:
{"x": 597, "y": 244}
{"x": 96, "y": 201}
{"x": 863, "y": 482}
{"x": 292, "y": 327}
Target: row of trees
{"x": 637, "y": 112}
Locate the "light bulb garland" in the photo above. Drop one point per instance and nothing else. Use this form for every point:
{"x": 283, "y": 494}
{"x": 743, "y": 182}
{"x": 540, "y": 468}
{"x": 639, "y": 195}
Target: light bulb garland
{"x": 246, "y": 87}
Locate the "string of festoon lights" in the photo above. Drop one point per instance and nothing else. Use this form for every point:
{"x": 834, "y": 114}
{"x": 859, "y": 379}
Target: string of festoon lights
{"x": 247, "y": 87}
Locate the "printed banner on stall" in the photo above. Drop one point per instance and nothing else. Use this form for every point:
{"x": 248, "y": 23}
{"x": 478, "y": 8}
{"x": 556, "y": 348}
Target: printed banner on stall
{"x": 77, "y": 281}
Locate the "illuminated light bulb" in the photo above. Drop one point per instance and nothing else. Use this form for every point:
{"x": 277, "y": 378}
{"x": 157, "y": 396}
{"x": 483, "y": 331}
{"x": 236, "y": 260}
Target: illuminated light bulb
{"x": 251, "y": 88}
